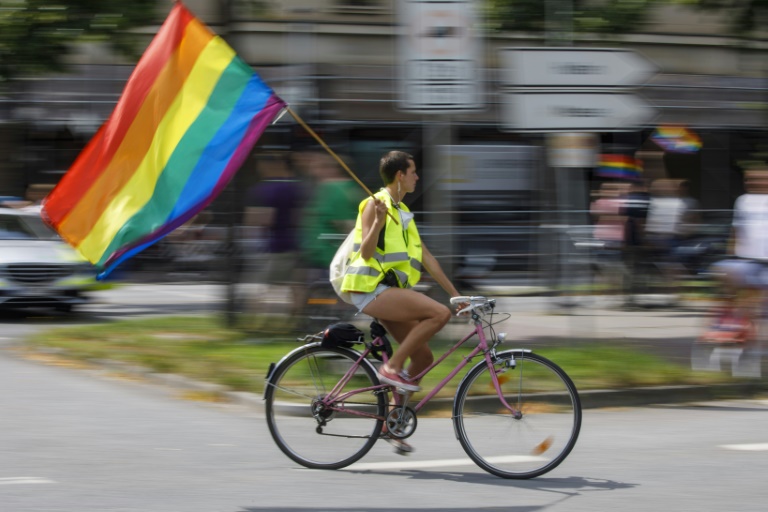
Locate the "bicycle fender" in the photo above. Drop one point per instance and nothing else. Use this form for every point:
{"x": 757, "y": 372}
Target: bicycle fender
{"x": 499, "y": 355}
{"x": 274, "y": 366}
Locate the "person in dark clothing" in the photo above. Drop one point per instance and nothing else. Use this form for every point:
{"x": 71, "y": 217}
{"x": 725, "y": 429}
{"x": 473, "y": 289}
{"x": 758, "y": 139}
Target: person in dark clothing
{"x": 635, "y": 209}
{"x": 274, "y": 205}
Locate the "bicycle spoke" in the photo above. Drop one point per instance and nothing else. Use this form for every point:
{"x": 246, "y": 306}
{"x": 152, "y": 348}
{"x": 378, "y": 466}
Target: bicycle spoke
{"x": 291, "y": 392}
{"x": 315, "y": 372}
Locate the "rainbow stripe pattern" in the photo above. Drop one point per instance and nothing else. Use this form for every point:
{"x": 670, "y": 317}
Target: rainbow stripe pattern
{"x": 676, "y": 139}
{"x": 188, "y": 117}
{"x": 619, "y": 166}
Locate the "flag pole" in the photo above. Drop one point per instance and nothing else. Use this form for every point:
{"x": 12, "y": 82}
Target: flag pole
{"x": 332, "y": 153}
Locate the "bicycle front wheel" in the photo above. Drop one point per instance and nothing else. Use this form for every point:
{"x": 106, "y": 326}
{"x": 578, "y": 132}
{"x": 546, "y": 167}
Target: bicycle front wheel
{"x": 523, "y": 445}
{"x": 311, "y": 434}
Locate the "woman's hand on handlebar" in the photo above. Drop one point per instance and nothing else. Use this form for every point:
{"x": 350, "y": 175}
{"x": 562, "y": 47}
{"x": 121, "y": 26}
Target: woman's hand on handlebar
{"x": 461, "y": 304}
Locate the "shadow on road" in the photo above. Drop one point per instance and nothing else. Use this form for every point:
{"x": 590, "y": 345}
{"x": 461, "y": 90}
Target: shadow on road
{"x": 567, "y": 487}
{"x": 390, "y": 509}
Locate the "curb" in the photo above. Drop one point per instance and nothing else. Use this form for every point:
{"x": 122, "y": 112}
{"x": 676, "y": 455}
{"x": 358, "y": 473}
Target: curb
{"x": 662, "y": 395}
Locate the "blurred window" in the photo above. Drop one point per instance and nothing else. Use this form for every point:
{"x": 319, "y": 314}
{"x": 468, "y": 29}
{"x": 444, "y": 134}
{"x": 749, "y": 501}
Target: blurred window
{"x": 18, "y": 227}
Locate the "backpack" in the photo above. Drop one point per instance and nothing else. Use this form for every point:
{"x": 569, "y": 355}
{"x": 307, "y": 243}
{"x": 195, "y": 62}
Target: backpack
{"x": 339, "y": 266}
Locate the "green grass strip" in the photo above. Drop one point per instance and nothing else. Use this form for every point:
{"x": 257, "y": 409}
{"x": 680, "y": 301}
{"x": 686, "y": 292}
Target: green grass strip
{"x": 201, "y": 348}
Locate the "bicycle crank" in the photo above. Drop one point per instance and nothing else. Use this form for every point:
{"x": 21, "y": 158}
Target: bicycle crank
{"x": 401, "y": 422}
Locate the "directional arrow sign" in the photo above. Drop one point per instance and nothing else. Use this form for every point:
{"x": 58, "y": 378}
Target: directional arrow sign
{"x": 555, "y": 111}
{"x": 574, "y": 67}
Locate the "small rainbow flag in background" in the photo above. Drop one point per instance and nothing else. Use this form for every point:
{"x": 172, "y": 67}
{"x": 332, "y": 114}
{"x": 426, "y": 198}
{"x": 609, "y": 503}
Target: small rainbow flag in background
{"x": 676, "y": 139}
{"x": 619, "y": 166}
{"x": 188, "y": 117}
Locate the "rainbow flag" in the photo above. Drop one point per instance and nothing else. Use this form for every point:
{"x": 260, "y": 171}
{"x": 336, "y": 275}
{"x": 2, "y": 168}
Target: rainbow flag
{"x": 188, "y": 117}
{"x": 619, "y": 166}
{"x": 676, "y": 139}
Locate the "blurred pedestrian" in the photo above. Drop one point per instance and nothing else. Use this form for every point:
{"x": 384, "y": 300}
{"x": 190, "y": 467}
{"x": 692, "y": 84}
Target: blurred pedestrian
{"x": 608, "y": 217}
{"x": 330, "y": 213}
{"x": 275, "y": 204}
{"x": 609, "y": 231}
{"x": 663, "y": 231}
{"x": 635, "y": 208}
{"x": 691, "y": 216}
{"x": 744, "y": 277}
{"x": 328, "y": 218}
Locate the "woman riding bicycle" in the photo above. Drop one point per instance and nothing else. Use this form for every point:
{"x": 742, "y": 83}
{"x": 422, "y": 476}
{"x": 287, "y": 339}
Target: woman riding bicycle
{"x": 388, "y": 265}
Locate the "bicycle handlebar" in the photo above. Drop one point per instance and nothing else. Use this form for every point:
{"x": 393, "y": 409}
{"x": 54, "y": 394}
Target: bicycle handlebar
{"x": 477, "y": 303}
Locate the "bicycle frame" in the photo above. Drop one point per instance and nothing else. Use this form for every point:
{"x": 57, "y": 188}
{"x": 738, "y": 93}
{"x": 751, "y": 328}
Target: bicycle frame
{"x": 317, "y": 395}
{"x": 335, "y": 401}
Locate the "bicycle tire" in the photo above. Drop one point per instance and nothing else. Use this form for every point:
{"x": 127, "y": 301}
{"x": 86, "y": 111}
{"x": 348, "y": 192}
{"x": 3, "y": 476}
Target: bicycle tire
{"x": 306, "y": 374}
{"x": 531, "y": 445}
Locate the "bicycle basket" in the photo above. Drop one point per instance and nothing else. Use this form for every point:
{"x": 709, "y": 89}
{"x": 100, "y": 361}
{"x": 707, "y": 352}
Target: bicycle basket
{"x": 341, "y": 335}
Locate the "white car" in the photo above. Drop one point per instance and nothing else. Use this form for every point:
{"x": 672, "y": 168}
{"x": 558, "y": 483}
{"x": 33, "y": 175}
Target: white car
{"x": 37, "y": 268}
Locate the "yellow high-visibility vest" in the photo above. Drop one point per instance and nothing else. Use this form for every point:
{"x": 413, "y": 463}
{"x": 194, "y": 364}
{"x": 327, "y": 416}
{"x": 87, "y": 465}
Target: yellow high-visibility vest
{"x": 397, "y": 249}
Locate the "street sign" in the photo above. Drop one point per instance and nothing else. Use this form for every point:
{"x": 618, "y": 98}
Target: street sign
{"x": 574, "y": 67}
{"x": 564, "y": 111}
{"x": 439, "y": 55}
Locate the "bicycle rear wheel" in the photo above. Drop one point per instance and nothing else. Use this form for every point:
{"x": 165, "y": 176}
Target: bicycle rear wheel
{"x": 537, "y": 441}
{"x": 320, "y": 438}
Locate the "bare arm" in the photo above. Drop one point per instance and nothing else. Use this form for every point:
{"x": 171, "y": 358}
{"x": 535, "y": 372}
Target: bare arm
{"x": 432, "y": 266}
{"x": 373, "y": 220}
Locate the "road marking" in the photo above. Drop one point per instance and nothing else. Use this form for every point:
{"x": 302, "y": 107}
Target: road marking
{"x": 19, "y": 480}
{"x": 418, "y": 464}
{"x": 754, "y": 447}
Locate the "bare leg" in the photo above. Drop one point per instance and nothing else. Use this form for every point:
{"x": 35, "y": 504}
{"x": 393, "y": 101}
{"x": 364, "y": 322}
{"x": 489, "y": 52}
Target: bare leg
{"x": 414, "y": 318}
{"x": 420, "y": 359}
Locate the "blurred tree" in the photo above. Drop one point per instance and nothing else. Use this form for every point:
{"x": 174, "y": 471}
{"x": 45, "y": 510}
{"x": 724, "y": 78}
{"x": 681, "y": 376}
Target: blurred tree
{"x": 744, "y": 15}
{"x": 610, "y": 16}
{"x": 35, "y": 35}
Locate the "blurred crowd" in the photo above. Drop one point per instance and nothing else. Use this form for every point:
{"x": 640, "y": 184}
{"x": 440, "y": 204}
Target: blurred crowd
{"x": 646, "y": 238}
{"x": 640, "y": 234}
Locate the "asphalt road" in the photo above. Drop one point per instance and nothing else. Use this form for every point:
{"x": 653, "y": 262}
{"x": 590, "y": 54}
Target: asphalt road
{"x": 78, "y": 441}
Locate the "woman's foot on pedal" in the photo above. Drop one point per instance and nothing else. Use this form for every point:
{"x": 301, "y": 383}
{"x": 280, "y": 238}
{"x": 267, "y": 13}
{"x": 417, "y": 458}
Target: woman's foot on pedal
{"x": 387, "y": 376}
{"x": 400, "y": 446}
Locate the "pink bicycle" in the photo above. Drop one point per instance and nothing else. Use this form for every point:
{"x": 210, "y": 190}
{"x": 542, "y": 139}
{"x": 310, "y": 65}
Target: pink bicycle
{"x": 516, "y": 414}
